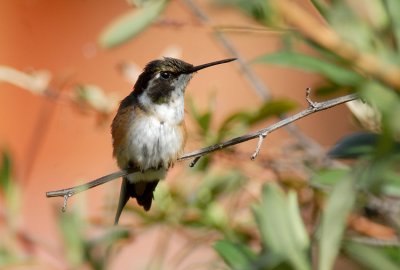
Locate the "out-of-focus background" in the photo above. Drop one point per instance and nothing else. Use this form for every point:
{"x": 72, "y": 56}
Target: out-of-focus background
{"x": 64, "y": 67}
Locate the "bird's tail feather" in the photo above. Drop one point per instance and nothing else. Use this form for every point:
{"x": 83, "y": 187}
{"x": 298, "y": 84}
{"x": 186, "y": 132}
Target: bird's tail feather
{"x": 142, "y": 191}
{"x": 146, "y": 197}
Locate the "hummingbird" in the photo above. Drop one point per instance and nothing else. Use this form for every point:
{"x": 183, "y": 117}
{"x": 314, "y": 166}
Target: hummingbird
{"x": 148, "y": 131}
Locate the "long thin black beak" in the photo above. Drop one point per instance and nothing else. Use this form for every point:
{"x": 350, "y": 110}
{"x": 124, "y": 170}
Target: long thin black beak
{"x": 197, "y": 68}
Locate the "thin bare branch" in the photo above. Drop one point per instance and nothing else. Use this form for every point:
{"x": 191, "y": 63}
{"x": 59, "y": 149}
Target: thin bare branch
{"x": 194, "y": 161}
{"x": 311, "y": 147}
{"x": 261, "y": 138}
{"x": 318, "y": 106}
{"x": 310, "y": 102}
{"x": 99, "y": 181}
{"x": 66, "y": 197}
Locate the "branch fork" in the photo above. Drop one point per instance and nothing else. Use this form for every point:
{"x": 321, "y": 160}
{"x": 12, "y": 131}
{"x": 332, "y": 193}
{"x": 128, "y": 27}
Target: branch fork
{"x": 66, "y": 197}
{"x": 261, "y": 138}
{"x": 311, "y": 103}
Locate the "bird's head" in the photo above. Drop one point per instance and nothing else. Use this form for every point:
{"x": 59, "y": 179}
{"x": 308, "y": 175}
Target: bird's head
{"x": 165, "y": 79}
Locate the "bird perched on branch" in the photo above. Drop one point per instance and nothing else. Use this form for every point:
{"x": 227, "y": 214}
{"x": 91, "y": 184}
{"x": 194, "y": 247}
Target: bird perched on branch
{"x": 148, "y": 130}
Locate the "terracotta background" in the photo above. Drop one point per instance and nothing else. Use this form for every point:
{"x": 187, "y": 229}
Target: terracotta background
{"x": 61, "y": 37}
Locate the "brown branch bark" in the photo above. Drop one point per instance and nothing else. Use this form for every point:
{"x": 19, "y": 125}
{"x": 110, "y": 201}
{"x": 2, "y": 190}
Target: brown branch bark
{"x": 313, "y": 108}
{"x": 317, "y": 106}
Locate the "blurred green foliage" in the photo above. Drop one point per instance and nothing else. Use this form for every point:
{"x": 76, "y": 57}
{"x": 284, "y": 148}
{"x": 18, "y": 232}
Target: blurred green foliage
{"x": 370, "y": 27}
{"x": 235, "y": 124}
{"x": 214, "y": 204}
{"x": 82, "y": 250}
{"x": 336, "y": 74}
{"x": 16, "y": 245}
{"x": 132, "y": 23}
{"x": 282, "y": 231}
{"x": 9, "y": 198}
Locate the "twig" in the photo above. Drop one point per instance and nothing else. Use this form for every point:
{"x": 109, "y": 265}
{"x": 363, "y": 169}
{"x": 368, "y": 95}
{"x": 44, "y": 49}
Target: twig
{"x": 318, "y": 106}
{"x": 66, "y": 197}
{"x": 311, "y": 147}
{"x": 310, "y": 102}
{"x": 99, "y": 181}
{"x": 194, "y": 161}
{"x": 261, "y": 138}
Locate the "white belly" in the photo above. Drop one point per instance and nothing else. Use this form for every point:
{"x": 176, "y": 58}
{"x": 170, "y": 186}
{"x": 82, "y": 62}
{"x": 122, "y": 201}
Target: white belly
{"x": 153, "y": 145}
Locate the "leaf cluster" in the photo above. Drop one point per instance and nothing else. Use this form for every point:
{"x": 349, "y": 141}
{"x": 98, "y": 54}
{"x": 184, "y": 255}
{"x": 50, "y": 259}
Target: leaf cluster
{"x": 373, "y": 155}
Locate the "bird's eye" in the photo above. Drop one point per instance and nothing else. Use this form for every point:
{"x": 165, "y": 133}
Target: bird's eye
{"x": 165, "y": 75}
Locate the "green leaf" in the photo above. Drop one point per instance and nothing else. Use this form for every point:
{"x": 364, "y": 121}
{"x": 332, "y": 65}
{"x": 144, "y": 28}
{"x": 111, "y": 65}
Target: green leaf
{"x": 337, "y": 74}
{"x": 5, "y": 172}
{"x": 72, "y": 232}
{"x": 321, "y": 6}
{"x": 334, "y": 219}
{"x": 326, "y": 89}
{"x": 214, "y": 186}
{"x": 10, "y": 189}
{"x": 324, "y": 53}
{"x": 237, "y": 256}
{"x": 387, "y": 103}
{"x": 329, "y": 177}
{"x": 9, "y": 257}
{"x": 204, "y": 119}
{"x": 281, "y": 227}
{"x": 271, "y": 108}
{"x": 391, "y": 182}
{"x": 203, "y": 164}
{"x": 130, "y": 24}
{"x": 361, "y": 144}
{"x": 110, "y": 237}
{"x": 260, "y": 10}
{"x": 214, "y": 215}
{"x": 268, "y": 109}
{"x": 355, "y": 145}
{"x": 248, "y": 118}
{"x": 371, "y": 257}
{"x": 392, "y": 7}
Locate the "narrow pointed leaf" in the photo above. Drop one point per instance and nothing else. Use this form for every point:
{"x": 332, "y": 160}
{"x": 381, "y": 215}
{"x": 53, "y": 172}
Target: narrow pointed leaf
{"x": 355, "y": 145}
{"x": 373, "y": 258}
{"x": 5, "y": 172}
{"x": 337, "y": 74}
{"x": 72, "y": 233}
{"x": 333, "y": 224}
{"x": 248, "y": 118}
{"x": 235, "y": 255}
{"x": 329, "y": 177}
{"x": 393, "y": 6}
{"x": 130, "y": 24}
{"x": 282, "y": 230}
